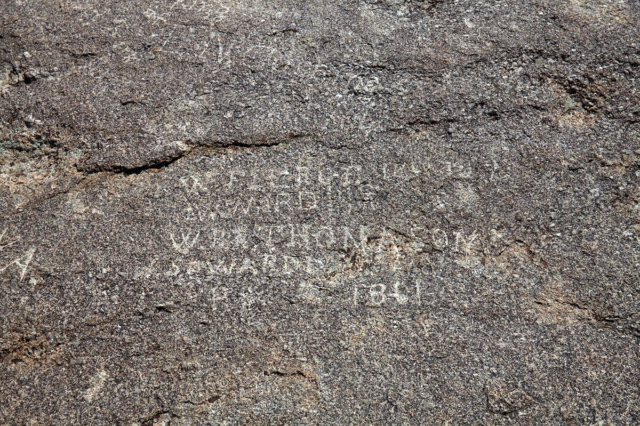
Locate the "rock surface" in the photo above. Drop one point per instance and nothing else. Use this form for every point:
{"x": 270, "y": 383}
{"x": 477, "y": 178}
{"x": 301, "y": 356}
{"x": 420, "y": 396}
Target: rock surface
{"x": 362, "y": 211}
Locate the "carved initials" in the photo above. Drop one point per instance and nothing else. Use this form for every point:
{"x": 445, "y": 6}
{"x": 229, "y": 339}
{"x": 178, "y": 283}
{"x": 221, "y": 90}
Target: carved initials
{"x": 186, "y": 244}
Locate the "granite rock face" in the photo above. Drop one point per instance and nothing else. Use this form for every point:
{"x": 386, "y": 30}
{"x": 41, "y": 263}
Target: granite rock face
{"x": 363, "y": 211}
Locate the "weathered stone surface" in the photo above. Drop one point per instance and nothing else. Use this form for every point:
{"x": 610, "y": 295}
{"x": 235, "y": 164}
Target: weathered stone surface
{"x": 315, "y": 212}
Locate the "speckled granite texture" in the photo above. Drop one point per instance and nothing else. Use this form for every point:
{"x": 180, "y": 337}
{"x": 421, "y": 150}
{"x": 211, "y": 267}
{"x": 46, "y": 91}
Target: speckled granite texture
{"x": 352, "y": 212}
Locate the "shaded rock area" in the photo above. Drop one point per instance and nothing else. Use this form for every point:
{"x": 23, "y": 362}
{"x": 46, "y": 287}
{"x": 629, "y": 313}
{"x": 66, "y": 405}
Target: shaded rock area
{"x": 362, "y": 211}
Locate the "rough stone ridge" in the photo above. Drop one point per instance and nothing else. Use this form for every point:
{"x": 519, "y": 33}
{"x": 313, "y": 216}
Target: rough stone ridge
{"x": 358, "y": 211}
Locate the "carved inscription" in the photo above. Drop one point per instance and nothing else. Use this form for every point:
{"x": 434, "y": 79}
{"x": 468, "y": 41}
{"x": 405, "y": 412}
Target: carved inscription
{"x": 396, "y": 292}
{"x": 18, "y": 264}
{"x": 284, "y": 250}
{"x": 274, "y": 222}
